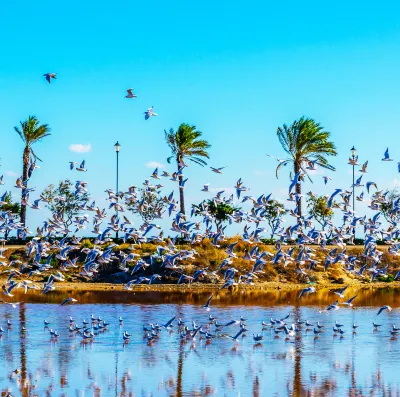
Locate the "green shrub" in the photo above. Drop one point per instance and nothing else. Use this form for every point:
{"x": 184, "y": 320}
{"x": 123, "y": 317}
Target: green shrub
{"x": 388, "y": 279}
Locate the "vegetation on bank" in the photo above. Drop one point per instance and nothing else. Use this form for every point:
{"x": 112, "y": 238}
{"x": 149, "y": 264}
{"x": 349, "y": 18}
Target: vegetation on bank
{"x": 211, "y": 257}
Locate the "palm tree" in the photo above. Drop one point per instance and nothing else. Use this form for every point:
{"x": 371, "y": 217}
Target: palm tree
{"x": 185, "y": 144}
{"x": 31, "y": 132}
{"x": 306, "y": 143}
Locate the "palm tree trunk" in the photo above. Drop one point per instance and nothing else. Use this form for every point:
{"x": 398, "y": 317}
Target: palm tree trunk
{"x": 181, "y": 193}
{"x": 297, "y": 168}
{"x": 25, "y": 165}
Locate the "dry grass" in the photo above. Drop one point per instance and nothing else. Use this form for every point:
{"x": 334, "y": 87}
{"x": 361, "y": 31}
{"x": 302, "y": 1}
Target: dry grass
{"x": 209, "y": 256}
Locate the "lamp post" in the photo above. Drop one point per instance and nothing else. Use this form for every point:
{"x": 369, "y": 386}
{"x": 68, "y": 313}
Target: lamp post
{"x": 353, "y": 156}
{"x": 117, "y": 148}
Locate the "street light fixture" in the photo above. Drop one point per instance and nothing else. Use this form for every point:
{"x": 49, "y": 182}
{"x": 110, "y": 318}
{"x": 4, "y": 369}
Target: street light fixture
{"x": 353, "y": 151}
{"x": 117, "y": 148}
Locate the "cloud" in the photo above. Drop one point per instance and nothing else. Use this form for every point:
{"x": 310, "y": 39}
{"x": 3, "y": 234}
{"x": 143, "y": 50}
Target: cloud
{"x": 258, "y": 172}
{"x": 80, "y": 148}
{"x": 11, "y": 173}
{"x": 154, "y": 164}
{"x": 318, "y": 171}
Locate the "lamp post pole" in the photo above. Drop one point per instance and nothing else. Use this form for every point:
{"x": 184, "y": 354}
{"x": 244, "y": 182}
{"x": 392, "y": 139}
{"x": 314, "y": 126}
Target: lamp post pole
{"x": 353, "y": 156}
{"x": 117, "y": 148}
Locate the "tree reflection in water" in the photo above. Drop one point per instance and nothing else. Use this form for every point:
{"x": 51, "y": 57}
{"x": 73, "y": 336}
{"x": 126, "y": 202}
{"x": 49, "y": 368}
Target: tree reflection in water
{"x": 353, "y": 365}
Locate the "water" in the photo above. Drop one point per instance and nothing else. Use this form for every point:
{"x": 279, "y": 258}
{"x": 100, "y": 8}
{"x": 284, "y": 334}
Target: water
{"x": 361, "y": 364}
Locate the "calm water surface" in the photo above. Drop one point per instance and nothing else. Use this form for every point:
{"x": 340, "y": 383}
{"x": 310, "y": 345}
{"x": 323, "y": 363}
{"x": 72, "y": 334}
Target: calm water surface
{"x": 365, "y": 363}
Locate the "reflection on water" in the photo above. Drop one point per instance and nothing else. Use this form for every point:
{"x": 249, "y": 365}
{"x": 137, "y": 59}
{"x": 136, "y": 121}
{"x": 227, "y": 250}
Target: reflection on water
{"x": 353, "y": 365}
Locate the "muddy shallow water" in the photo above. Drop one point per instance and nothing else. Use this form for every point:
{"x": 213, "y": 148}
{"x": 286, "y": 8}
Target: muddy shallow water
{"x": 363, "y": 363}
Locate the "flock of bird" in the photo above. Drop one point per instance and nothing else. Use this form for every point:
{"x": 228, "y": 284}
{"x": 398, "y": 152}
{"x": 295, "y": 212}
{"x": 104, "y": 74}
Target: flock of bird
{"x": 209, "y": 328}
{"x": 147, "y": 114}
{"x": 49, "y": 255}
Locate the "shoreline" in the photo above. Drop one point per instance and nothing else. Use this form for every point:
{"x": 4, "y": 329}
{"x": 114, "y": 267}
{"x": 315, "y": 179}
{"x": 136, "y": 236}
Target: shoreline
{"x": 200, "y": 288}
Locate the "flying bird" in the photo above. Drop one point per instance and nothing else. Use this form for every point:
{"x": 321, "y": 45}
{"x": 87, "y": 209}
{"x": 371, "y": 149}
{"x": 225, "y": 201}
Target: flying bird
{"x": 386, "y": 156}
{"x": 149, "y": 113}
{"x": 82, "y": 167}
{"x": 130, "y": 93}
{"x": 207, "y": 305}
{"x": 50, "y": 76}
{"x": 386, "y": 307}
{"x": 217, "y": 170}
{"x": 68, "y": 300}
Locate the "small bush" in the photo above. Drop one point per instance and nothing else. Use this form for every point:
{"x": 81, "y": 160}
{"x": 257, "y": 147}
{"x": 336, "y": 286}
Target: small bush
{"x": 388, "y": 279}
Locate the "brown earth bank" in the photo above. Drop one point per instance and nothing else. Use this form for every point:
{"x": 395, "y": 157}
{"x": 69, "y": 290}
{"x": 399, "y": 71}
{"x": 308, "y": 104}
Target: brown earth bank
{"x": 110, "y": 277}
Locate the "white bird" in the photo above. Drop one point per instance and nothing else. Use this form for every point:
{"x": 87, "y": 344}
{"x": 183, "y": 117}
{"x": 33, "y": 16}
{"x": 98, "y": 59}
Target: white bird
{"x": 68, "y": 300}
{"x": 149, "y": 113}
{"x": 307, "y": 290}
{"x": 385, "y": 307}
{"x": 207, "y": 305}
{"x": 349, "y": 302}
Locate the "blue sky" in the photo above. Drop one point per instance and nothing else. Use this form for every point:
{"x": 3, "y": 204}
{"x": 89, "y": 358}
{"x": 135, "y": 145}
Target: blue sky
{"x": 237, "y": 71}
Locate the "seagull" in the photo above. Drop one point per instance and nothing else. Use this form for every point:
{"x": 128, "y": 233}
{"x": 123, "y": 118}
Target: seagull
{"x": 49, "y": 76}
{"x": 68, "y": 300}
{"x": 7, "y": 290}
{"x": 326, "y": 179}
{"x": 294, "y": 182}
{"x": 82, "y": 167}
{"x": 364, "y": 168}
{"x": 3, "y": 199}
{"x": 207, "y": 305}
{"x": 72, "y": 164}
{"x": 217, "y": 170}
{"x": 386, "y": 156}
{"x": 235, "y": 338}
{"x": 369, "y": 184}
{"x": 149, "y": 113}
{"x": 340, "y": 292}
{"x": 257, "y": 337}
{"x": 349, "y": 302}
{"x": 130, "y": 93}
{"x": 307, "y": 291}
{"x": 330, "y": 200}
{"x": 205, "y": 188}
{"x": 386, "y": 307}
{"x": 168, "y": 324}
